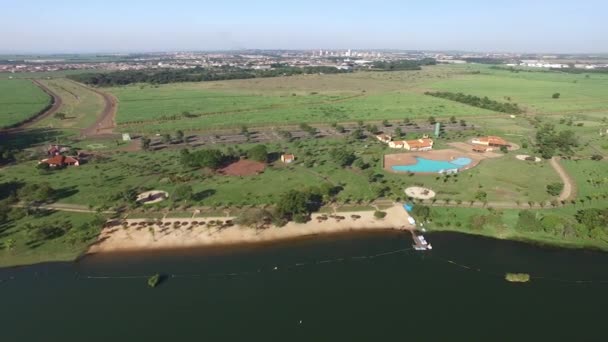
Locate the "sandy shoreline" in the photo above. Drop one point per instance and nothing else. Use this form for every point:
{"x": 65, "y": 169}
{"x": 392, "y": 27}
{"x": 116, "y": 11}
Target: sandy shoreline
{"x": 137, "y": 237}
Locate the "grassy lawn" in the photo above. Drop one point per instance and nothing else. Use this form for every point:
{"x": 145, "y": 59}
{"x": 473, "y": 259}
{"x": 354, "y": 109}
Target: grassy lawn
{"x": 20, "y": 100}
{"x": 80, "y": 105}
{"x": 504, "y": 179}
{"x": 77, "y": 234}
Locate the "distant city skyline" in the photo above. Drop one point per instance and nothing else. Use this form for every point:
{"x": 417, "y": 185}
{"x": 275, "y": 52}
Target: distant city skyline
{"x": 69, "y": 26}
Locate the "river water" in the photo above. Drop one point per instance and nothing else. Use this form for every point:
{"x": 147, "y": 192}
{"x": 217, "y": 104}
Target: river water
{"x": 341, "y": 288}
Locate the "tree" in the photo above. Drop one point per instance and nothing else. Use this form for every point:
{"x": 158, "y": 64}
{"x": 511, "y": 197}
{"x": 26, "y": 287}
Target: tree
{"x": 398, "y": 133}
{"x": 204, "y": 158}
{"x": 432, "y": 120}
{"x": 554, "y": 189}
{"x": 597, "y": 157}
{"x": 481, "y": 195}
{"x": 504, "y": 149}
{"x": 36, "y": 193}
{"x": 166, "y": 139}
{"x": 183, "y": 193}
{"x": 556, "y": 95}
{"x": 385, "y": 123}
{"x": 342, "y": 156}
{"x": 340, "y": 129}
{"x": 60, "y": 116}
{"x": 179, "y": 137}
{"x": 379, "y": 214}
{"x": 296, "y": 202}
{"x": 407, "y": 121}
{"x": 357, "y": 134}
{"x": 9, "y": 244}
{"x": 258, "y": 153}
{"x": 286, "y": 135}
{"x": 373, "y": 129}
{"x": 453, "y": 119}
{"x": 254, "y": 218}
{"x": 463, "y": 123}
{"x": 421, "y": 212}
{"x": 145, "y": 143}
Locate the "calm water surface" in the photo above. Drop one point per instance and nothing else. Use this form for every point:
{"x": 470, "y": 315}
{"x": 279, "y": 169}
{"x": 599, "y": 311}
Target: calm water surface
{"x": 329, "y": 289}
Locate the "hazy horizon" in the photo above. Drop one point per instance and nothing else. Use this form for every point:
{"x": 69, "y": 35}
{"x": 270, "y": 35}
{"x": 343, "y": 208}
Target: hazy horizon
{"x": 68, "y": 26}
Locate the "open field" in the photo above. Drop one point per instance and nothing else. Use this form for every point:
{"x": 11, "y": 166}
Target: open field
{"x": 80, "y": 105}
{"x": 533, "y": 90}
{"x": 20, "y": 100}
{"x": 349, "y": 97}
{"x": 284, "y": 100}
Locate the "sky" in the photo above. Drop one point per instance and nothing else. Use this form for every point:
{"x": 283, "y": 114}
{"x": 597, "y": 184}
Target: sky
{"x": 77, "y": 26}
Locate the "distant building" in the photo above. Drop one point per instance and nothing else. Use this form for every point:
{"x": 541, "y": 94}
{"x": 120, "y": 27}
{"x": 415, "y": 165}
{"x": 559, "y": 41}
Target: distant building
{"x": 288, "y": 158}
{"x": 491, "y": 141}
{"x": 384, "y": 138}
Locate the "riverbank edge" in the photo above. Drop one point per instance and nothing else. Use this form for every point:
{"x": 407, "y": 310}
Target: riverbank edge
{"x": 541, "y": 241}
{"x": 524, "y": 238}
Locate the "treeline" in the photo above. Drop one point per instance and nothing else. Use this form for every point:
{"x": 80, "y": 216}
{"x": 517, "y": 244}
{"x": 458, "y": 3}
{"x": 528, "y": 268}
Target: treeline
{"x": 403, "y": 64}
{"x": 581, "y": 71}
{"x": 198, "y": 74}
{"x": 484, "y": 60}
{"x": 476, "y": 101}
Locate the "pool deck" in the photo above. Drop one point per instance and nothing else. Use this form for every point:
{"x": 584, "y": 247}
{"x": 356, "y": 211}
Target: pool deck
{"x": 409, "y": 158}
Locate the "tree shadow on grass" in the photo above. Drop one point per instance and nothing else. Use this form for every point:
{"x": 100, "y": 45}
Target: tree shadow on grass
{"x": 27, "y": 138}
{"x": 199, "y": 196}
{"x": 66, "y": 192}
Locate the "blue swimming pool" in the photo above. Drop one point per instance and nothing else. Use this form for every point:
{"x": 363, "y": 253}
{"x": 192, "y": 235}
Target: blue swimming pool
{"x": 428, "y": 165}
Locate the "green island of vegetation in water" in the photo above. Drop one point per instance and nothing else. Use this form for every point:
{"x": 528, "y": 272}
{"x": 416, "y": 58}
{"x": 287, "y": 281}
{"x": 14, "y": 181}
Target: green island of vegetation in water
{"x": 517, "y": 277}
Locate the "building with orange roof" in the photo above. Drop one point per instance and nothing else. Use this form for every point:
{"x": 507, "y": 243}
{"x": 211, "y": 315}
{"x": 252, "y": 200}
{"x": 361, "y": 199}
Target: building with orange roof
{"x": 491, "y": 141}
{"x": 424, "y": 144}
{"x": 60, "y": 161}
{"x": 288, "y": 158}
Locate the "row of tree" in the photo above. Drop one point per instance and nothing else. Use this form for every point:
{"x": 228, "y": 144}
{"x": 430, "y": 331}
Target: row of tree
{"x": 403, "y": 64}
{"x": 198, "y": 74}
{"x": 476, "y": 101}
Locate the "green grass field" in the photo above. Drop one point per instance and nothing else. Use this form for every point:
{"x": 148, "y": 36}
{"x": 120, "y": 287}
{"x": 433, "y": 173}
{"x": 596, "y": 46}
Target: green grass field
{"x": 284, "y": 100}
{"x": 80, "y": 105}
{"x": 350, "y": 97}
{"x": 20, "y": 100}
{"x": 534, "y": 90}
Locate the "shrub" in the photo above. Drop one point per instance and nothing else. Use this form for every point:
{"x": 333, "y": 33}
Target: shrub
{"x": 554, "y": 189}
{"x": 379, "y": 214}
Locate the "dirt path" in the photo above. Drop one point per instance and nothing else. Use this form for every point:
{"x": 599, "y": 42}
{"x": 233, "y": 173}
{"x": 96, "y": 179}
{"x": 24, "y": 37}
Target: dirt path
{"x": 569, "y": 191}
{"x": 56, "y": 103}
{"x": 105, "y": 123}
{"x": 74, "y": 208}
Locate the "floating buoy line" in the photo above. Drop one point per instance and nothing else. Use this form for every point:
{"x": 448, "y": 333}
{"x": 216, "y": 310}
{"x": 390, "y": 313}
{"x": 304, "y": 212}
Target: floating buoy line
{"x": 279, "y": 268}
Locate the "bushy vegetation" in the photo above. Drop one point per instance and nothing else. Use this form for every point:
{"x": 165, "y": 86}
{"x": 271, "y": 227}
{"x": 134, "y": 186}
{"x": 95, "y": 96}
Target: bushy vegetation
{"x": 554, "y": 189}
{"x": 211, "y": 158}
{"x": 198, "y": 74}
{"x": 476, "y": 101}
{"x": 549, "y": 141}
